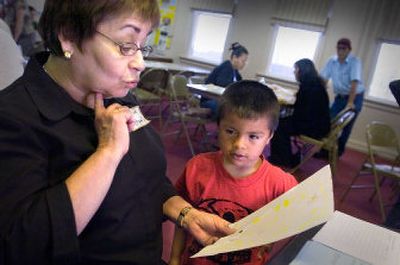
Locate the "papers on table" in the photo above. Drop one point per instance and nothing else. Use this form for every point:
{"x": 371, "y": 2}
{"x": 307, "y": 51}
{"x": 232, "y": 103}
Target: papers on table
{"x": 315, "y": 253}
{"x": 363, "y": 240}
{"x": 284, "y": 95}
{"x": 308, "y": 204}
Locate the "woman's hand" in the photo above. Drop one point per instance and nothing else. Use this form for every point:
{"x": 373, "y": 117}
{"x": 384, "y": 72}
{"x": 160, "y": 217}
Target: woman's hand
{"x": 205, "y": 227}
{"x": 113, "y": 125}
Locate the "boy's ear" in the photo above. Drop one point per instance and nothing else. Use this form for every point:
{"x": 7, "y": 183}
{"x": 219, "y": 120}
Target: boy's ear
{"x": 270, "y": 136}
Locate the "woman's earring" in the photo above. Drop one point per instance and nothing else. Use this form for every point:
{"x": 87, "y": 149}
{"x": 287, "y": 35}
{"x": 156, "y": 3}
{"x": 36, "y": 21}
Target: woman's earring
{"x": 67, "y": 54}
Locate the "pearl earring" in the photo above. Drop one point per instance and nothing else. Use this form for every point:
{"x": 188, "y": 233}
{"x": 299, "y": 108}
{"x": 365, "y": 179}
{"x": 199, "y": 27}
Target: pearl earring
{"x": 67, "y": 54}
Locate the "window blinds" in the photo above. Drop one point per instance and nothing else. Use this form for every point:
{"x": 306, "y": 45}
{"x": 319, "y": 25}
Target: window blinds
{"x": 390, "y": 23}
{"x": 224, "y": 6}
{"x": 309, "y": 12}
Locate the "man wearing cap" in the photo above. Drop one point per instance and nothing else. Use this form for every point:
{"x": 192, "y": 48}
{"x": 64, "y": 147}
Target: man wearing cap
{"x": 345, "y": 72}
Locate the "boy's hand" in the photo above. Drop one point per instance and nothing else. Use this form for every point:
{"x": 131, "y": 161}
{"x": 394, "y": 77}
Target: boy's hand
{"x": 205, "y": 227}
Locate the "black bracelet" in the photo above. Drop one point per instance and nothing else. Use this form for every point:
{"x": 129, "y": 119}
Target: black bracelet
{"x": 182, "y": 214}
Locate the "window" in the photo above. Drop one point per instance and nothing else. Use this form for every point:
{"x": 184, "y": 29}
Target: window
{"x": 387, "y": 69}
{"x": 291, "y": 45}
{"x": 208, "y": 36}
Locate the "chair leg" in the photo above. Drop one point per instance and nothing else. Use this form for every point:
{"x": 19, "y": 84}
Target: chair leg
{"x": 374, "y": 193}
{"x": 189, "y": 141}
{"x": 309, "y": 154}
{"x": 333, "y": 155}
{"x": 160, "y": 115}
{"x": 349, "y": 187}
{"x": 379, "y": 195}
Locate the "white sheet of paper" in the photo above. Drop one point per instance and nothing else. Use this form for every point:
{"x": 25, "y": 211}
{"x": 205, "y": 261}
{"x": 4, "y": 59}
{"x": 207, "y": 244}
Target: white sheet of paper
{"x": 315, "y": 253}
{"x": 308, "y": 204}
{"x": 363, "y": 240}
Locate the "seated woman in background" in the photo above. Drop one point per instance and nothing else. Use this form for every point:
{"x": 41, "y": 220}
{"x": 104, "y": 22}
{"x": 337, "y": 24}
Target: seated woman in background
{"x": 226, "y": 73}
{"x": 310, "y": 116}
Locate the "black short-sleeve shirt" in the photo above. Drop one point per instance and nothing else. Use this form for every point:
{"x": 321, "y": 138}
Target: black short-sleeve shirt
{"x": 44, "y": 136}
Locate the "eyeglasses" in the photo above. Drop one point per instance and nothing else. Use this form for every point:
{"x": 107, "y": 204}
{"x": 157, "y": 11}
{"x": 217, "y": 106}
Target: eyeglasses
{"x": 129, "y": 48}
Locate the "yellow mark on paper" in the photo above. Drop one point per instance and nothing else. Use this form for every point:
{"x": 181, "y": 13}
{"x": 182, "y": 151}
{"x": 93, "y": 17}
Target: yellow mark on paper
{"x": 256, "y": 220}
{"x": 277, "y": 207}
{"x": 286, "y": 203}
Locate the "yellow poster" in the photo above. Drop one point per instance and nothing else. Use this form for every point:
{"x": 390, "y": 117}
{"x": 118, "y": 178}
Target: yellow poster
{"x": 162, "y": 38}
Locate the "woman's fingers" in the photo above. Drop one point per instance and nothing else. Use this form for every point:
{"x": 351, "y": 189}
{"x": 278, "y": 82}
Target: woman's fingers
{"x": 98, "y": 103}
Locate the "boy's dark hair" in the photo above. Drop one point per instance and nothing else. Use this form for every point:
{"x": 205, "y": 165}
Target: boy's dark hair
{"x": 77, "y": 20}
{"x": 249, "y": 99}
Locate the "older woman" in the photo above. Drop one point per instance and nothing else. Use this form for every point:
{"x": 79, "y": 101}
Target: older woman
{"x": 78, "y": 185}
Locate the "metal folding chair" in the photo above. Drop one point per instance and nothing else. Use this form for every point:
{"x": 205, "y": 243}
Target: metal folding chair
{"x": 184, "y": 108}
{"x": 328, "y": 143}
{"x": 380, "y": 138}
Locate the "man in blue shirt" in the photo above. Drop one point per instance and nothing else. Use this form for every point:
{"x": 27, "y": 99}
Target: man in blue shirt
{"x": 345, "y": 72}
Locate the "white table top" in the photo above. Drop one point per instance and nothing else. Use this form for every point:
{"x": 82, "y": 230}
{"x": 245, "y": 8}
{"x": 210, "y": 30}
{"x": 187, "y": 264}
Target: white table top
{"x": 284, "y": 95}
{"x": 177, "y": 67}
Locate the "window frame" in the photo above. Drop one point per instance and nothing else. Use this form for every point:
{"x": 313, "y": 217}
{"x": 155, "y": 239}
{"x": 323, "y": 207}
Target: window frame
{"x": 299, "y": 26}
{"x": 372, "y": 69}
{"x": 194, "y": 25}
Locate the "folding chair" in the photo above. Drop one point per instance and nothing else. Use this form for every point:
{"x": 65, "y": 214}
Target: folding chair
{"x": 328, "y": 143}
{"x": 152, "y": 89}
{"x": 184, "y": 108}
{"x": 380, "y": 137}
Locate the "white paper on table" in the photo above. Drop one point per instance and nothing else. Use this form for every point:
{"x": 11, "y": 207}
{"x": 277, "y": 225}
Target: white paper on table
{"x": 363, "y": 240}
{"x": 285, "y": 95}
{"x": 306, "y": 205}
{"x": 315, "y": 253}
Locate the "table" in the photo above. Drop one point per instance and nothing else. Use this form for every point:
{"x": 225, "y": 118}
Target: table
{"x": 209, "y": 90}
{"x": 285, "y": 96}
{"x": 289, "y": 252}
{"x": 177, "y": 67}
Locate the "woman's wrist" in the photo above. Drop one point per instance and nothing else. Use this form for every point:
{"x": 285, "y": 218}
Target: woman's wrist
{"x": 108, "y": 154}
{"x": 181, "y": 221}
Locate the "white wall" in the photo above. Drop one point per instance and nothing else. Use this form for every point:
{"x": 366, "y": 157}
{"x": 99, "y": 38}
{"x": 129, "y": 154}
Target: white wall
{"x": 252, "y": 26}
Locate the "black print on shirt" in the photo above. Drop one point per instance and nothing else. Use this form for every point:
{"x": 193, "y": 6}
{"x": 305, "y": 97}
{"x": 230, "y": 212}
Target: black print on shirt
{"x": 232, "y": 212}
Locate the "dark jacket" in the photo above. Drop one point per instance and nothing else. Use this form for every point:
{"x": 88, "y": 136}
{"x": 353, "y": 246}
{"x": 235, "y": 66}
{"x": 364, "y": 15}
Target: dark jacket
{"x": 311, "y": 111}
{"x": 223, "y": 75}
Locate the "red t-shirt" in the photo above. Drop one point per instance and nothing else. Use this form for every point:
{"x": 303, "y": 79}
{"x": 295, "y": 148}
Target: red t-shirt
{"x": 208, "y": 186}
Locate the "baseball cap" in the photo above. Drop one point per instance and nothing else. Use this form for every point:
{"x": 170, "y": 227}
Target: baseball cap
{"x": 344, "y": 42}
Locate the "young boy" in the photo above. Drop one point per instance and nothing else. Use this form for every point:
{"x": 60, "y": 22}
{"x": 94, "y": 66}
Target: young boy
{"x": 237, "y": 180}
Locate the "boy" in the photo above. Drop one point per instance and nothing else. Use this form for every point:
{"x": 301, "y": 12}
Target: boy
{"x": 236, "y": 180}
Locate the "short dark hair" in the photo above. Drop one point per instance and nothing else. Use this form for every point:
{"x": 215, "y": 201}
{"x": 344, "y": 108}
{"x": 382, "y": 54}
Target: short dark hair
{"x": 249, "y": 99}
{"x": 77, "y": 20}
{"x": 237, "y": 49}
